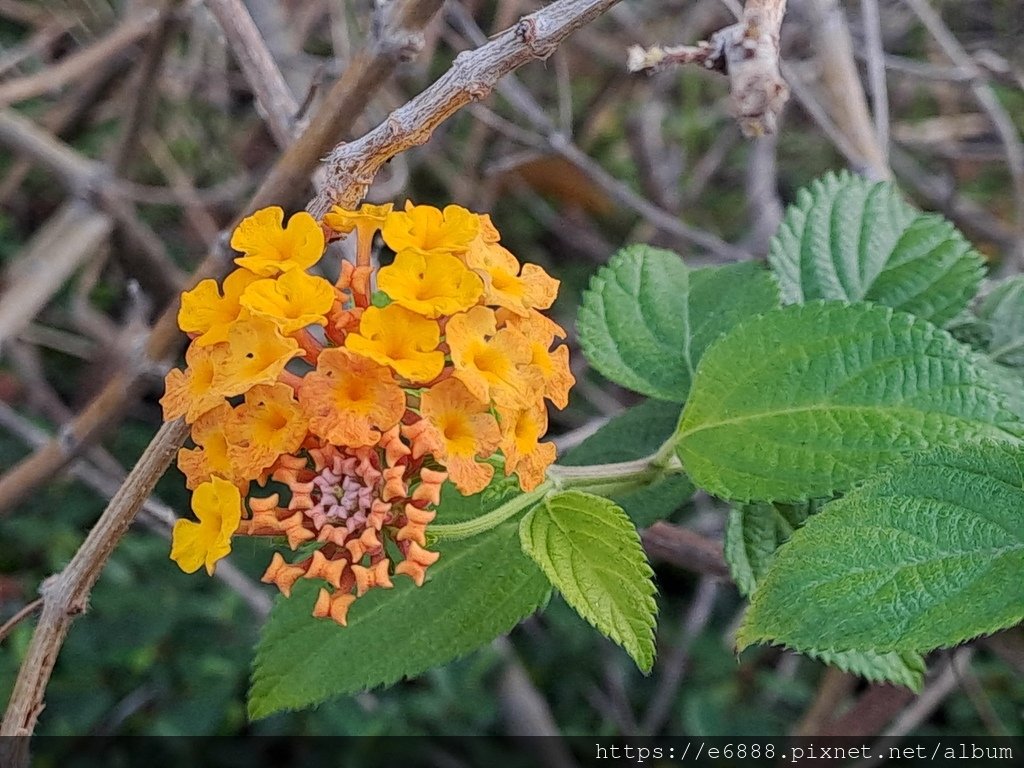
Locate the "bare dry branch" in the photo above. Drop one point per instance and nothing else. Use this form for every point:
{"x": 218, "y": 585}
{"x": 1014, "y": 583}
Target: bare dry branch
{"x": 65, "y": 595}
{"x": 350, "y": 168}
{"x": 748, "y": 52}
{"x": 59, "y": 247}
{"x": 81, "y": 63}
{"x": 258, "y": 65}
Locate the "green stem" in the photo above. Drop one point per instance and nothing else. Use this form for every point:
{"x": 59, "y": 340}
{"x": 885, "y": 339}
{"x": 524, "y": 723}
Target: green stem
{"x": 600, "y": 479}
{"x": 494, "y": 518}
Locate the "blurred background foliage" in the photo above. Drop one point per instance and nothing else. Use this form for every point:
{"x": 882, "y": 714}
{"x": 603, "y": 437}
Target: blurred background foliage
{"x": 162, "y": 653}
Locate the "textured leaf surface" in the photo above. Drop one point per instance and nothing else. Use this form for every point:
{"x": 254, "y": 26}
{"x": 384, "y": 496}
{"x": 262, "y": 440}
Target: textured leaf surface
{"x": 852, "y": 239}
{"x": 806, "y": 400}
{"x": 636, "y": 433}
{"x": 1002, "y": 312}
{"x": 478, "y": 590}
{"x": 647, "y": 318}
{"x": 592, "y": 554}
{"x": 752, "y": 535}
{"x": 906, "y": 669}
{"x": 926, "y": 556}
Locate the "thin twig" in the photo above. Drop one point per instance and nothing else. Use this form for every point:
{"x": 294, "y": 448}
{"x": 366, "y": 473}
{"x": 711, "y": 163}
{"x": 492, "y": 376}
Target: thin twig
{"x": 548, "y": 137}
{"x": 748, "y": 52}
{"x": 258, "y": 65}
{"x": 65, "y": 595}
{"x": 847, "y": 104}
{"x": 875, "y": 54}
{"x": 687, "y": 549}
{"x": 104, "y": 474}
{"x": 19, "y": 617}
{"x": 987, "y": 99}
{"x": 58, "y": 248}
{"x": 350, "y": 168}
{"x": 673, "y": 666}
{"x": 80, "y": 63}
{"x": 284, "y": 184}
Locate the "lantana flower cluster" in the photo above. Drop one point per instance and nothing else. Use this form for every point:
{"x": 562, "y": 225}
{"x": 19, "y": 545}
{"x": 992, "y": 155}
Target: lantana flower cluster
{"x": 356, "y": 399}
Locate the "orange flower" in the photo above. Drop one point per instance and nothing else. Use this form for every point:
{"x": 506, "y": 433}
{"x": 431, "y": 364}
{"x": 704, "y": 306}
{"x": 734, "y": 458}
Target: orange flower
{"x": 218, "y": 507}
{"x": 505, "y": 284}
{"x": 399, "y": 338}
{"x": 366, "y": 221}
{"x": 349, "y": 399}
{"x": 553, "y": 365}
{"x": 211, "y": 456}
{"x": 205, "y": 312}
{"x": 190, "y": 393}
{"x": 255, "y": 353}
{"x": 525, "y": 455}
{"x": 270, "y": 247}
{"x": 430, "y": 285}
{"x": 293, "y": 300}
{"x": 486, "y": 360}
{"x": 465, "y": 430}
{"x": 268, "y": 424}
{"x": 425, "y": 229}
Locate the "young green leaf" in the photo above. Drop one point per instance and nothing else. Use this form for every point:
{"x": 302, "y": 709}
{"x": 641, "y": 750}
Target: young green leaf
{"x": 479, "y": 589}
{"x": 852, "y": 239}
{"x": 634, "y": 434}
{"x": 925, "y": 556}
{"x": 647, "y": 318}
{"x": 807, "y": 400}
{"x": 592, "y": 554}
{"x": 752, "y": 535}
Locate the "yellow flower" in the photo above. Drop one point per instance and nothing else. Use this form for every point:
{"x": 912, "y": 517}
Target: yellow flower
{"x": 487, "y": 360}
{"x": 505, "y": 284}
{"x": 366, "y": 221}
{"x": 205, "y": 312}
{"x": 349, "y": 399}
{"x": 425, "y": 229}
{"x": 430, "y": 284}
{"x": 521, "y": 431}
{"x": 210, "y": 457}
{"x": 268, "y": 424}
{"x": 396, "y": 337}
{"x": 271, "y": 248}
{"x": 218, "y": 507}
{"x": 190, "y": 393}
{"x": 553, "y": 365}
{"x": 293, "y": 300}
{"x": 465, "y": 430}
{"x": 255, "y": 353}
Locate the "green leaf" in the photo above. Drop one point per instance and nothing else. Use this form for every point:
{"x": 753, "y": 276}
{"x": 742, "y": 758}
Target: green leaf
{"x": 634, "y": 434}
{"x": 906, "y": 669}
{"x": 807, "y": 400}
{"x": 1002, "y": 312}
{"x": 456, "y": 508}
{"x": 592, "y": 554}
{"x": 647, "y": 317}
{"x": 851, "y": 239}
{"x": 479, "y": 589}
{"x": 925, "y": 556}
{"x": 752, "y": 535}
